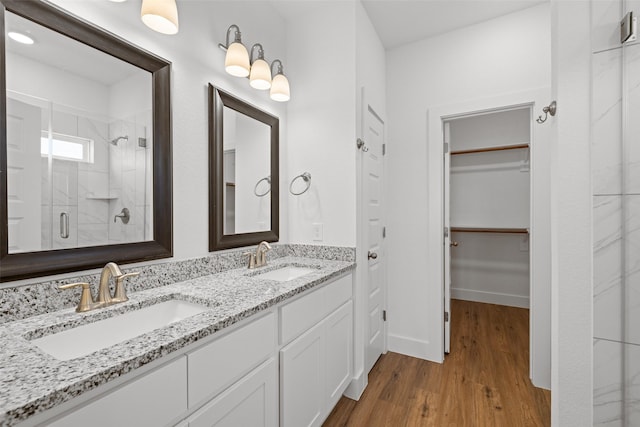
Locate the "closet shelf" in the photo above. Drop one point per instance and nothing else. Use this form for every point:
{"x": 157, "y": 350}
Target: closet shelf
{"x": 92, "y": 196}
{"x": 489, "y": 149}
{"x": 490, "y": 230}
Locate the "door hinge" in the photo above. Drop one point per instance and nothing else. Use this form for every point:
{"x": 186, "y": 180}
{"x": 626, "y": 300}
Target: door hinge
{"x": 384, "y": 315}
{"x": 446, "y": 316}
{"x": 446, "y": 232}
{"x": 384, "y": 232}
{"x": 384, "y": 149}
{"x": 446, "y": 147}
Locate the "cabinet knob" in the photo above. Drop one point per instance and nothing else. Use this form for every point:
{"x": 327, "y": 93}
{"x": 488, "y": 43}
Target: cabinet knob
{"x": 372, "y": 255}
{"x": 453, "y": 243}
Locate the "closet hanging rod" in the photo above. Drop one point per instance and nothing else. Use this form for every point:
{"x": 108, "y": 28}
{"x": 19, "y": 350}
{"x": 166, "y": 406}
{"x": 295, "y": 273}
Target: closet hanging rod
{"x": 488, "y": 149}
{"x": 490, "y": 230}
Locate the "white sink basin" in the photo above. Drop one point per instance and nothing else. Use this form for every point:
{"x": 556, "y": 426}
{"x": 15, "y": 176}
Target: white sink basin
{"x": 285, "y": 274}
{"x": 86, "y": 339}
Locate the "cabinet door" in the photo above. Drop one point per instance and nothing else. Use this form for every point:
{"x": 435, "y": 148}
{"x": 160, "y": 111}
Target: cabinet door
{"x": 338, "y": 360}
{"x": 302, "y": 380}
{"x": 252, "y": 401}
{"x": 156, "y": 399}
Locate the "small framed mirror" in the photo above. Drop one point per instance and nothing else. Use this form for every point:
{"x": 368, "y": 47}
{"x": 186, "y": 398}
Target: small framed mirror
{"x": 243, "y": 173}
{"x": 85, "y": 145}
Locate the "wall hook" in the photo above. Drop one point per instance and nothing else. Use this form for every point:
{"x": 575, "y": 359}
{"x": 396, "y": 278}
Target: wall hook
{"x": 549, "y": 109}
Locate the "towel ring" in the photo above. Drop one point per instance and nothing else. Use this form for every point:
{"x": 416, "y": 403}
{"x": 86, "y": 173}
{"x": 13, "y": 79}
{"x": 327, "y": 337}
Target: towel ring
{"x": 306, "y": 177}
{"x": 255, "y": 189}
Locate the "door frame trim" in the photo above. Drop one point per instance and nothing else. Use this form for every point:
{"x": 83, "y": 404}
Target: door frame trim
{"x": 540, "y": 238}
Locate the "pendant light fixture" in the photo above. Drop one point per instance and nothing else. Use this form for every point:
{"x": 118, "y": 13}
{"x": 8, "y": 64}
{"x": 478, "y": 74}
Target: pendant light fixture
{"x": 160, "y": 15}
{"x": 279, "y": 85}
{"x": 236, "y": 62}
{"x": 260, "y": 77}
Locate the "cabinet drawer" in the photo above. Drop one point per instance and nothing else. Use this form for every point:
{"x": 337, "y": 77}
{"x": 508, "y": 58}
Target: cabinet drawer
{"x": 153, "y": 400}
{"x": 300, "y": 315}
{"x": 216, "y": 366}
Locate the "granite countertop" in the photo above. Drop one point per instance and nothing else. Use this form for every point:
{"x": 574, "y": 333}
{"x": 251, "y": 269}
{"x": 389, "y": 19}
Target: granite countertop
{"x": 33, "y": 381}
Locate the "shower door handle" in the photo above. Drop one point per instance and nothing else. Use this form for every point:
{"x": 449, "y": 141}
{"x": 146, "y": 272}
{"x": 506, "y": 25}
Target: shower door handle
{"x": 64, "y": 225}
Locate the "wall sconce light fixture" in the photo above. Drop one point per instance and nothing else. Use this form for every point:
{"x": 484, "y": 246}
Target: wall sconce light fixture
{"x": 280, "y": 84}
{"x": 260, "y": 77}
{"x": 160, "y": 15}
{"x": 238, "y": 63}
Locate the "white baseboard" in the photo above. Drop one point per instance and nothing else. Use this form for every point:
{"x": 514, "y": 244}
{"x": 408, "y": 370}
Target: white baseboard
{"x": 412, "y": 347}
{"x": 356, "y": 386}
{"x": 490, "y": 297}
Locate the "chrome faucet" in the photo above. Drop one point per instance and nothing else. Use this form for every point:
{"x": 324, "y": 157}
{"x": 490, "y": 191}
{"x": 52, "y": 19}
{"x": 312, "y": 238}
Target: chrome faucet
{"x": 259, "y": 257}
{"x": 104, "y": 298}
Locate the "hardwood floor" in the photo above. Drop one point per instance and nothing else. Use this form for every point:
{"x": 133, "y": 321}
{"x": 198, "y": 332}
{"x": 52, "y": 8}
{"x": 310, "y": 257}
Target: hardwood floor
{"x": 484, "y": 381}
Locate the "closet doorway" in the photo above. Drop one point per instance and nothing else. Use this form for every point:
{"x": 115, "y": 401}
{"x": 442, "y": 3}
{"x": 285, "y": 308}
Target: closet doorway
{"x": 489, "y": 161}
{"x": 487, "y": 204}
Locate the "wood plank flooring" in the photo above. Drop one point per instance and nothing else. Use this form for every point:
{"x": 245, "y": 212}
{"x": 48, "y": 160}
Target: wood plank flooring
{"x": 484, "y": 381}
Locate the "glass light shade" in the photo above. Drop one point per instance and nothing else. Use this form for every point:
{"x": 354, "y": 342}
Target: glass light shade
{"x": 160, "y": 15}
{"x": 260, "y": 77}
{"x": 237, "y": 60}
{"x": 280, "y": 88}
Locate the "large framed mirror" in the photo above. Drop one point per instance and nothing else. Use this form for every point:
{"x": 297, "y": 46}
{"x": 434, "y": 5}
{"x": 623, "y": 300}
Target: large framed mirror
{"x": 85, "y": 145}
{"x": 243, "y": 173}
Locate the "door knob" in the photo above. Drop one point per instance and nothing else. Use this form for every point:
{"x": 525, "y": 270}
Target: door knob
{"x": 453, "y": 243}
{"x": 372, "y": 255}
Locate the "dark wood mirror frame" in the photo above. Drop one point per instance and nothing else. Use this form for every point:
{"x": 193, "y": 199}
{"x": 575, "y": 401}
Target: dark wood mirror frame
{"x": 219, "y": 99}
{"x": 34, "y": 264}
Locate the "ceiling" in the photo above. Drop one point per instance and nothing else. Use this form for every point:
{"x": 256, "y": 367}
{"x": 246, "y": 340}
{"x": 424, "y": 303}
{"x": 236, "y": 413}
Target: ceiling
{"x": 398, "y": 22}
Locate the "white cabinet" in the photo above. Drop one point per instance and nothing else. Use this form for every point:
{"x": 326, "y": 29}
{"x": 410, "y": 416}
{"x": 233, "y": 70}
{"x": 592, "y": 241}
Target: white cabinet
{"x": 302, "y": 380}
{"x": 233, "y": 379}
{"x": 153, "y": 400}
{"x": 252, "y": 401}
{"x": 338, "y": 354}
{"x": 315, "y": 369}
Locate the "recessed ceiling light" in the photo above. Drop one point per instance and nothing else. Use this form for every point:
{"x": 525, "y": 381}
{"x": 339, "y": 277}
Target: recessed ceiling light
{"x": 20, "y": 38}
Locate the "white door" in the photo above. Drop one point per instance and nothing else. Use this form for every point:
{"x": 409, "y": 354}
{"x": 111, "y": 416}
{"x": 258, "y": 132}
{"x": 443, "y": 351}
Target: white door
{"x": 447, "y": 239}
{"x": 23, "y": 176}
{"x": 373, "y": 191}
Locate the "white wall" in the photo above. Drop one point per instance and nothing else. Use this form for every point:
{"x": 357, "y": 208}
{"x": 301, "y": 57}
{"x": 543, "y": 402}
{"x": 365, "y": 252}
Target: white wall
{"x": 572, "y": 298}
{"x": 502, "y": 56}
{"x": 321, "y": 131}
{"x": 33, "y": 78}
{"x": 253, "y": 152}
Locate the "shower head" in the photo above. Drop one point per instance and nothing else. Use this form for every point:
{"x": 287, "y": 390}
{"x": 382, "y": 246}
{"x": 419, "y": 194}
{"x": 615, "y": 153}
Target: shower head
{"x": 116, "y": 140}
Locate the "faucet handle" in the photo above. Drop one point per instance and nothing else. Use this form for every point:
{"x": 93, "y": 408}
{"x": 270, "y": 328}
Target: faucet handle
{"x": 121, "y": 293}
{"x": 86, "y": 299}
{"x": 252, "y": 259}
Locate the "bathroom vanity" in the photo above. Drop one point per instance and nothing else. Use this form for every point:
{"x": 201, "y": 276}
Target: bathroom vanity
{"x": 262, "y": 352}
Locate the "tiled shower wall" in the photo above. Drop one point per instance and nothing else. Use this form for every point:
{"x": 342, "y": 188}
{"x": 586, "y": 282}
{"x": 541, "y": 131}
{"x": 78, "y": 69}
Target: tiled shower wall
{"x": 615, "y": 120}
{"x": 130, "y": 166}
